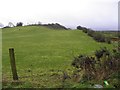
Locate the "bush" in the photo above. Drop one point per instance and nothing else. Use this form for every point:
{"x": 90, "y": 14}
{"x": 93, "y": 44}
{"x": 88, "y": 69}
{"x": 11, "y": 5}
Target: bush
{"x": 19, "y": 24}
{"x": 55, "y": 26}
{"x": 83, "y": 61}
{"x": 6, "y": 27}
{"x": 100, "y": 67}
{"x": 108, "y": 40}
{"x": 91, "y": 33}
{"x": 79, "y": 27}
{"x": 86, "y": 65}
{"x": 85, "y": 31}
{"x": 101, "y": 52}
{"x": 99, "y": 37}
{"x": 96, "y": 36}
{"x": 82, "y": 28}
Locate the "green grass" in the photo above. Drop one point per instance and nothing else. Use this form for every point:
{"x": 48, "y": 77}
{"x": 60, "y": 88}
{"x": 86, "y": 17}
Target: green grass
{"x": 42, "y": 54}
{"x": 110, "y": 34}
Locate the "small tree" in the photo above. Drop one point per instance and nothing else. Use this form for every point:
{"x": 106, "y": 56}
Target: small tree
{"x": 79, "y": 27}
{"x": 19, "y": 24}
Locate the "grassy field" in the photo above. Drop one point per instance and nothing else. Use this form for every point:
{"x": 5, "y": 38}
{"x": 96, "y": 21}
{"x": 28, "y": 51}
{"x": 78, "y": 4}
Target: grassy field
{"x": 43, "y": 54}
{"x": 110, "y": 34}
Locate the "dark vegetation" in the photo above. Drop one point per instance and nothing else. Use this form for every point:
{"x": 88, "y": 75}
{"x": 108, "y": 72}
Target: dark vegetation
{"x": 51, "y": 26}
{"x": 104, "y": 65}
{"x": 10, "y": 24}
{"x": 55, "y": 26}
{"x": 82, "y": 28}
{"x": 110, "y": 33}
{"x": 99, "y": 37}
{"x": 113, "y": 35}
{"x": 19, "y": 24}
{"x": 6, "y": 27}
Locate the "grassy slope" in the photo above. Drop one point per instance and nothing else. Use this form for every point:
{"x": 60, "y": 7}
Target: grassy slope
{"x": 43, "y": 52}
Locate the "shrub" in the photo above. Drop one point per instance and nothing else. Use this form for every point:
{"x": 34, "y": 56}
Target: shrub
{"x": 100, "y": 67}
{"x": 96, "y": 36}
{"x": 79, "y": 27}
{"x": 85, "y": 31}
{"x": 82, "y": 28}
{"x": 101, "y": 52}
{"x": 55, "y": 26}
{"x": 19, "y": 24}
{"x": 99, "y": 37}
{"x": 108, "y": 40}
{"x": 83, "y": 61}
{"x": 91, "y": 33}
{"x": 6, "y": 27}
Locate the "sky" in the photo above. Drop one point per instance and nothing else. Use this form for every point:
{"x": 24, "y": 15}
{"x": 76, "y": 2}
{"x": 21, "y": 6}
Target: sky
{"x": 94, "y": 14}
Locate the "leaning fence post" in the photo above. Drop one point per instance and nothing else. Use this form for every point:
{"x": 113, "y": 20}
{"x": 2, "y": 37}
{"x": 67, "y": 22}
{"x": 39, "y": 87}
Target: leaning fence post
{"x": 13, "y": 65}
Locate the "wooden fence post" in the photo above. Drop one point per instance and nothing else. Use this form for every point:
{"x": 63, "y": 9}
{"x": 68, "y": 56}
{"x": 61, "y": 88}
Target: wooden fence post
{"x": 13, "y": 65}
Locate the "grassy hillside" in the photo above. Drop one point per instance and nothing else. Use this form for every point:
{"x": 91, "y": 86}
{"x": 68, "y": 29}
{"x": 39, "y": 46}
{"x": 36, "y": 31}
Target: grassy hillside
{"x": 42, "y": 54}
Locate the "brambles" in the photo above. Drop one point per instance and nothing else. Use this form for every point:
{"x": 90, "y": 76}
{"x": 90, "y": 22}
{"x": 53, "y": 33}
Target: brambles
{"x": 101, "y": 52}
{"x": 100, "y": 67}
{"x": 83, "y": 62}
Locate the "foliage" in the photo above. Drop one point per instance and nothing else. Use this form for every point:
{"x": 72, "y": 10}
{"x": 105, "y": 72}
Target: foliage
{"x": 55, "y": 26}
{"x": 91, "y": 33}
{"x": 51, "y": 26}
{"x": 100, "y": 67}
{"x": 85, "y": 31}
{"x": 108, "y": 40}
{"x": 99, "y": 37}
{"x": 6, "y": 27}
{"x": 19, "y": 24}
{"x": 83, "y": 62}
{"x": 96, "y": 36}
{"x": 82, "y": 28}
{"x": 79, "y": 27}
{"x": 110, "y": 34}
{"x": 103, "y": 51}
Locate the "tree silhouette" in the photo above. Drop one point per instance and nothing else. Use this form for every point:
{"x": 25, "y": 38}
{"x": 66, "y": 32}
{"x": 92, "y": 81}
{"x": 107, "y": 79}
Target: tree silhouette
{"x": 19, "y": 24}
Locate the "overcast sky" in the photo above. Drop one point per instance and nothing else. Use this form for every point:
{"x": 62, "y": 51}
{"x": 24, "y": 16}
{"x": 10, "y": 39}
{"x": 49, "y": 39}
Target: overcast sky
{"x": 95, "y": 14}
